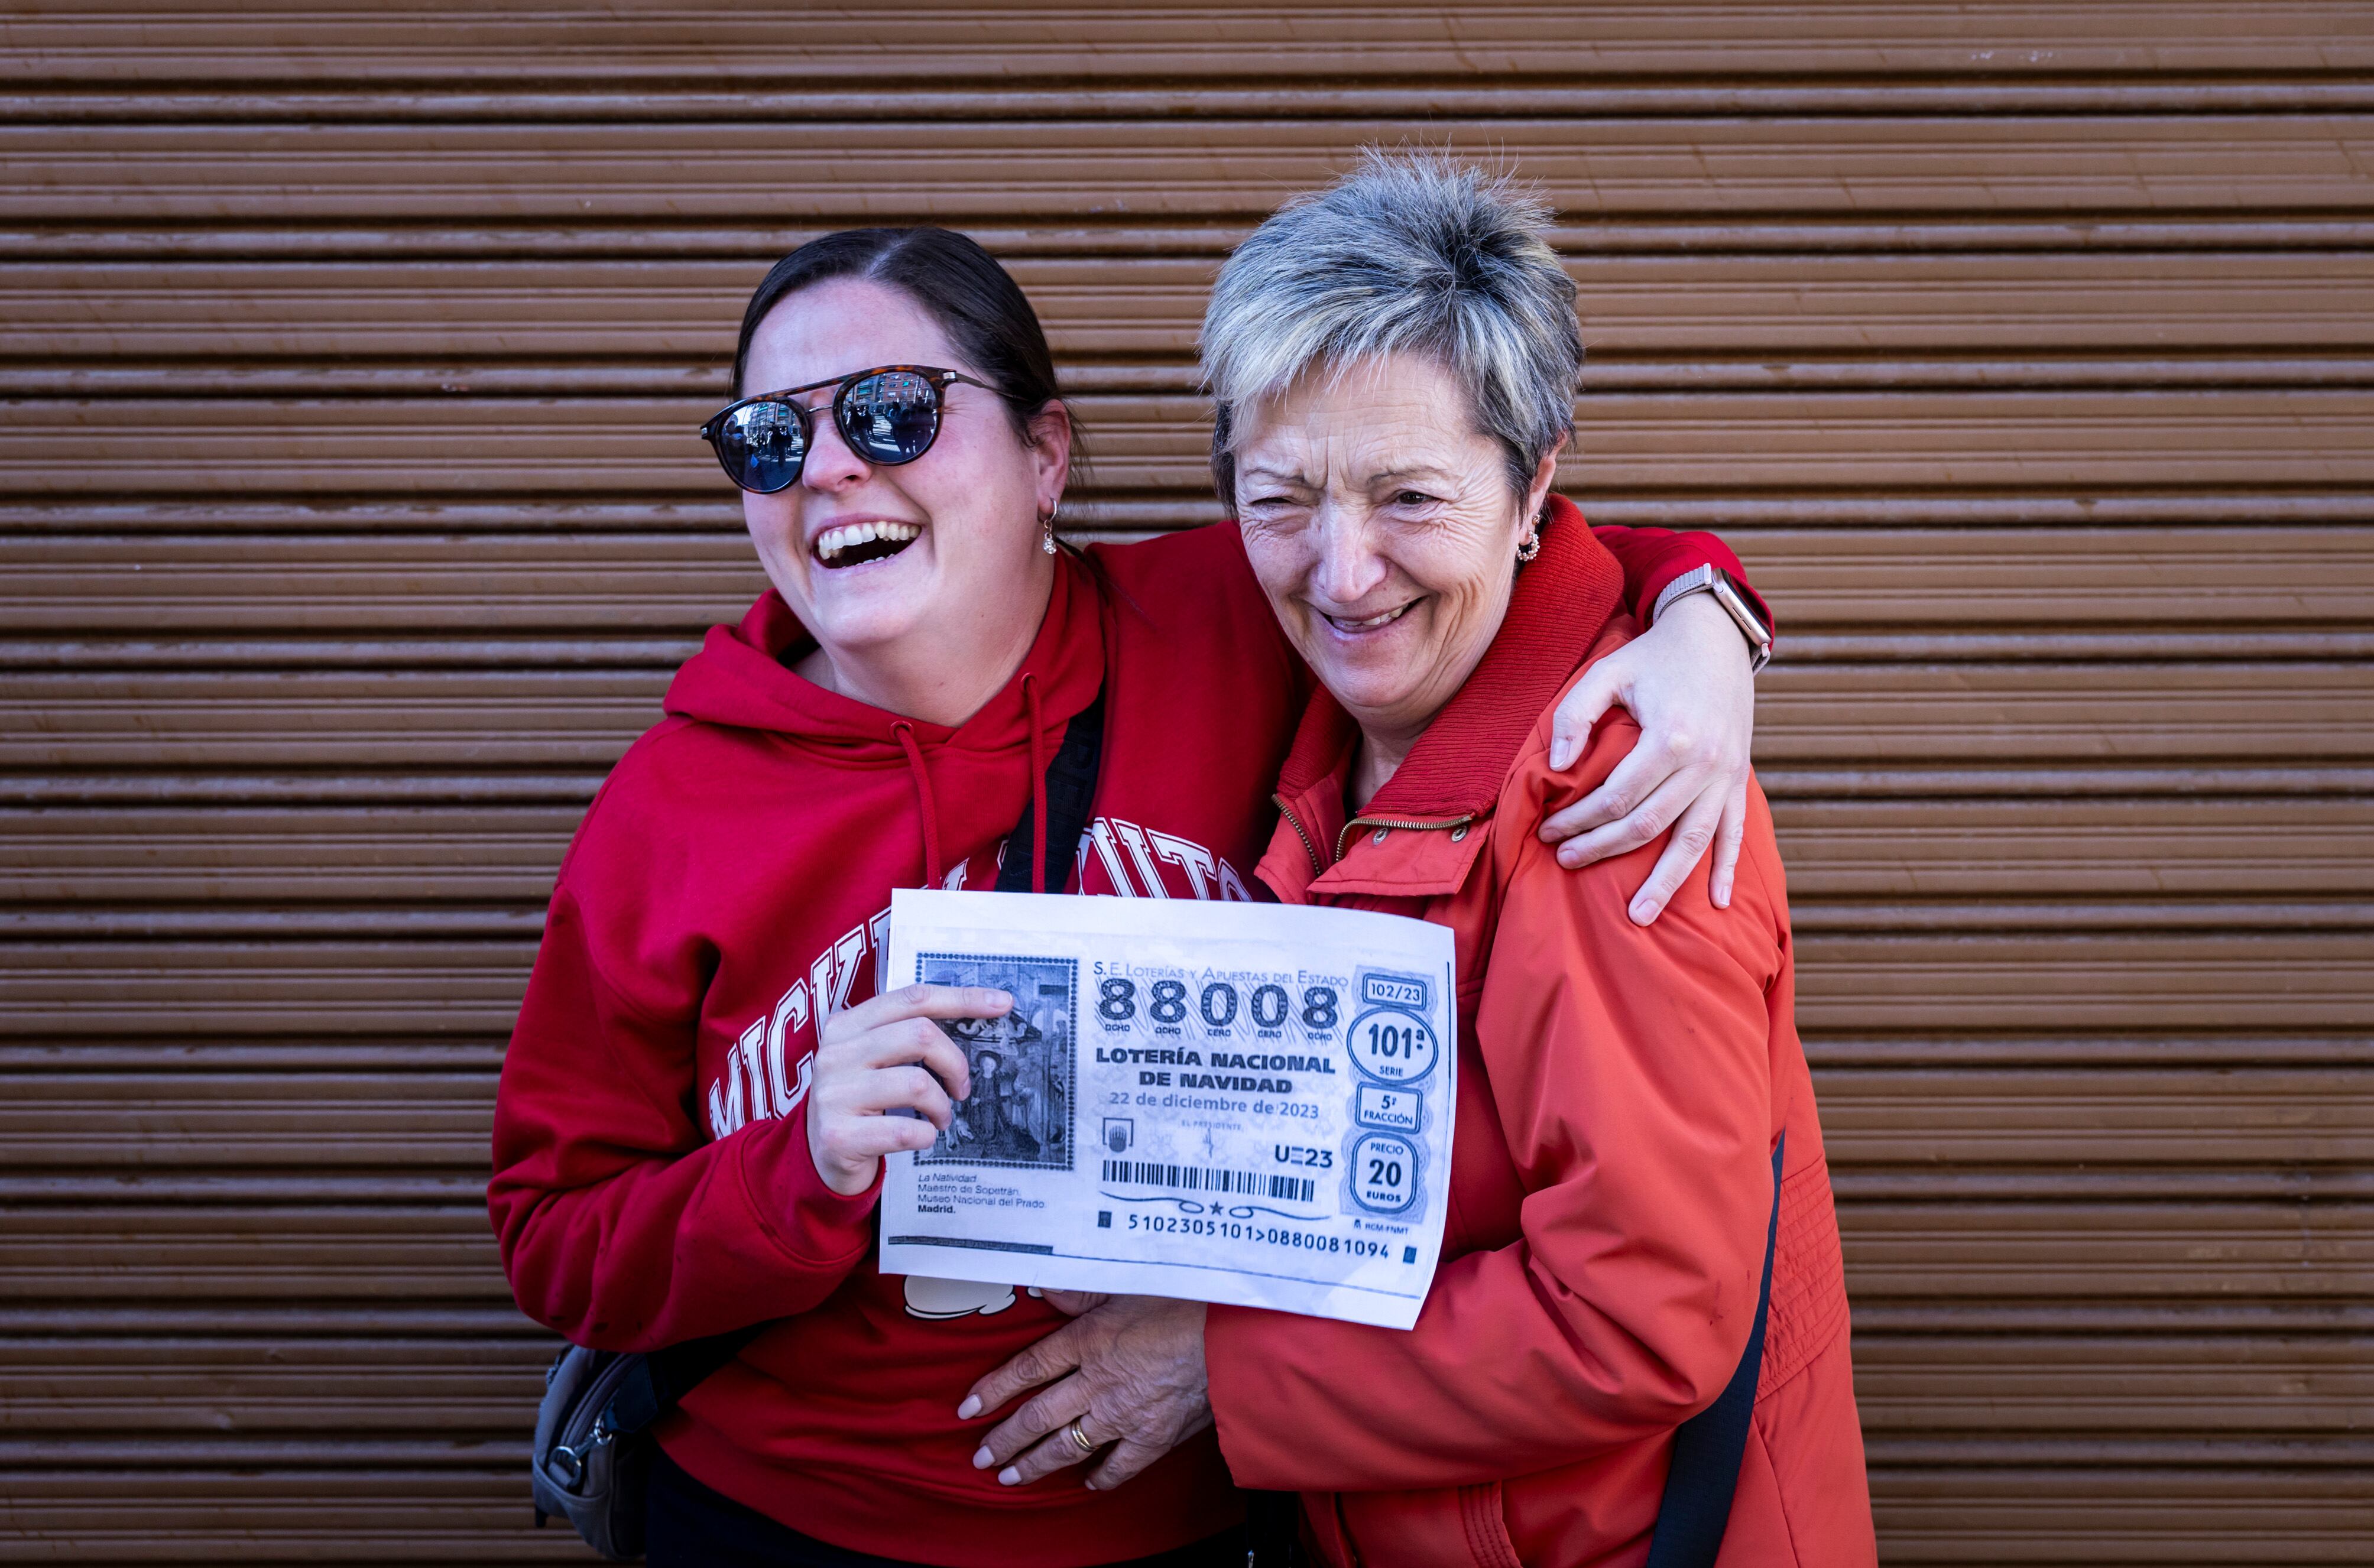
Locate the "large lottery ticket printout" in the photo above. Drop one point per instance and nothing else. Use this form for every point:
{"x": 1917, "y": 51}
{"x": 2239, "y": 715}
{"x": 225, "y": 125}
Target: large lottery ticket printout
{"x": 1223, "y": 1102}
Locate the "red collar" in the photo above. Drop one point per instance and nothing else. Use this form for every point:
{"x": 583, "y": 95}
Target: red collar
{"x": 1561, "y": 600}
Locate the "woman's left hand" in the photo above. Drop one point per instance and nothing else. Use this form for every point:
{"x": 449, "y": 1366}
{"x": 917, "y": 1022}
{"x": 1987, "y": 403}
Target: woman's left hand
{"x": 1687, "y": 681}
{"x": 1131, "y": 1370}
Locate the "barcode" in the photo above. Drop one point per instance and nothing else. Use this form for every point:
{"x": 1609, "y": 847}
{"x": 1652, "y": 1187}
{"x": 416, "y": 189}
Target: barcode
{"x": 1197, "y": 1178}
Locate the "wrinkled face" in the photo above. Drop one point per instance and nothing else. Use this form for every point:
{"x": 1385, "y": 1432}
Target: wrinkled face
{"x": 1381, "y": 523}
{"x": 867, "y": 555}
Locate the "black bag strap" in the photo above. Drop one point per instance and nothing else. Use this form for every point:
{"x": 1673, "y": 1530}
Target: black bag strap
{"x": 1708, "y": 1447}
{"x": 654, "y": 1382}
{"x": 1071, "y": 792}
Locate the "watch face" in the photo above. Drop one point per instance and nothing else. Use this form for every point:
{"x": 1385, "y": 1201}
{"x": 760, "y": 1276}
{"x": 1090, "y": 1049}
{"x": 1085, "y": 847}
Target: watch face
{"x": 1751, "y": 627}
{"x": 1731, "y": 599}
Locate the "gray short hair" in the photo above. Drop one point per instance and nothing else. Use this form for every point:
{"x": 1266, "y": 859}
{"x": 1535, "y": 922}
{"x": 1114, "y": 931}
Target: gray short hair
{"x": 1409, "y": 253}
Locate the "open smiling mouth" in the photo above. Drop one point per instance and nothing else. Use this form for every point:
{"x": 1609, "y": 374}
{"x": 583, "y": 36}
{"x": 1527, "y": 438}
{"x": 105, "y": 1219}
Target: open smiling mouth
{"x": 1346, "y": 623}
{"x": 855, "y": 543}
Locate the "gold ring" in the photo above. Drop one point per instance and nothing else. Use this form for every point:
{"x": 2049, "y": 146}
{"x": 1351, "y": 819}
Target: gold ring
{"x": 1080, "y": 1438}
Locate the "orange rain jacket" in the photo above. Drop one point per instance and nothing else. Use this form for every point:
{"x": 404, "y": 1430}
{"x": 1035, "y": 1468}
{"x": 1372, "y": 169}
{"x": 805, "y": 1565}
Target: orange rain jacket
{"x": 1620, "y": 1094}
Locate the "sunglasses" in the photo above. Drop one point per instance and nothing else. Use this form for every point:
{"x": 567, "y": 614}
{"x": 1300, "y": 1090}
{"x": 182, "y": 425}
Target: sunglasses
{"x": 889, "y": 416}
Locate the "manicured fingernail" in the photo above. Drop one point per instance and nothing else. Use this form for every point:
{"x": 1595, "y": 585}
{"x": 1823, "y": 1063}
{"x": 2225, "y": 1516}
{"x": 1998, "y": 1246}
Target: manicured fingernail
{"x": 1722, "y": 899}
{"x": 1090, "y": 1483}
{"x": 970, "y": 1408}
{"x": 1643, "y": 913}
{"x": 1557, "y": 755}
{"x": 1009, "y": 1476}
{"x": 982, "y": 1458}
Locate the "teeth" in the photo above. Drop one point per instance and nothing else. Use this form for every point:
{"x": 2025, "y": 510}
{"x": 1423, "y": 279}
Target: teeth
{"x": 849, "y": 536}
{"x": 1372, "y": 623}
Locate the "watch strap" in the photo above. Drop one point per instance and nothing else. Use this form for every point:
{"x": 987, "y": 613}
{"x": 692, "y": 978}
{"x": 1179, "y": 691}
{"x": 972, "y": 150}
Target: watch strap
{"x": 1713, "y": 581}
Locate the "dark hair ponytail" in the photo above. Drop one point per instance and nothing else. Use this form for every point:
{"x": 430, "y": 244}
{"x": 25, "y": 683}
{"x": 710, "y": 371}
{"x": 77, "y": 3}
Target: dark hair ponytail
{"x": 987, "y": 319}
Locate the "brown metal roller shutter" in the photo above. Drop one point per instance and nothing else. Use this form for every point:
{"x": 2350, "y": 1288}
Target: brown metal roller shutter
{"x": 349, "y": 525}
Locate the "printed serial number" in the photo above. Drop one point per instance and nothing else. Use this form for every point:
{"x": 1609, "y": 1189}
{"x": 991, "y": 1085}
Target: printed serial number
{"x": 1266, "y": 1235}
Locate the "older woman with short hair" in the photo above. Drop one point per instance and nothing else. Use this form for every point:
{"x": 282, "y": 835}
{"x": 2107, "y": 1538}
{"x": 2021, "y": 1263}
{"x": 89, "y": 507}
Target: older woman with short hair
{"x": 1636, "y": 1347}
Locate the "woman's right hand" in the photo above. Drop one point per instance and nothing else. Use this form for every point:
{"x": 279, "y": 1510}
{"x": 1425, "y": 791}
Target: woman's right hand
{"x": 1690, "y": 683}
{"x": 883, "y": 1055}
{"x": 1127, "y": 1375}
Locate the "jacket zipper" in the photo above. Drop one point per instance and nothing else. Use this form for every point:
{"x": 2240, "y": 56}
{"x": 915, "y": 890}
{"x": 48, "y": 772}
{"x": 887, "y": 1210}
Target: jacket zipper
{"x": 1308, "y": 847}
{"x": 1345, "y": 837}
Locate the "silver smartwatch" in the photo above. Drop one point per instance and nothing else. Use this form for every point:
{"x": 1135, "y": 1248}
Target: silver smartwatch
{"x": 1715, "y": 580}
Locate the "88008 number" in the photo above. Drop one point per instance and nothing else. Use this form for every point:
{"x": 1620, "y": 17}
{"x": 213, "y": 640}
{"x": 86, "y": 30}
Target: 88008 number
{"x": 1218, "y": 1005}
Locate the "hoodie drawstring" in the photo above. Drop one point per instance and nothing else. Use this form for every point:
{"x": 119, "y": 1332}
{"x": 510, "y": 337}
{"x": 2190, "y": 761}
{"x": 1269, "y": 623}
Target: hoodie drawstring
{"x": 1038, "y": 790}
{"x": 925, "y": 803}
{"x": 931, "y": 868}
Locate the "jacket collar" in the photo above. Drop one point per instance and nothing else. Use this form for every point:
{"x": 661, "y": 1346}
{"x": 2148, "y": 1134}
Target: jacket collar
{"x": 1453, "y": 776}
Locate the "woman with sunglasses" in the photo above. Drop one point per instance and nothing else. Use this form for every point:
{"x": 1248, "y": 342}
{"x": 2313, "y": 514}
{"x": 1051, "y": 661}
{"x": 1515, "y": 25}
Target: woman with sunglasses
{"x": 703, "y": 1080}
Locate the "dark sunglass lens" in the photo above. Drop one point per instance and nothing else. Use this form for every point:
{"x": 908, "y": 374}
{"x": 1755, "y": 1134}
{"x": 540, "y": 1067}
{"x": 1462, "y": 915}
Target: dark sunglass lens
{"x": 761, "y": 446}
{"x": 890, "y": 417}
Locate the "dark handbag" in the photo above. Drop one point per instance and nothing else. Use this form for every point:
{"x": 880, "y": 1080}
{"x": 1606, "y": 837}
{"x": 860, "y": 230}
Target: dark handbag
{"x": 591, "y": 1457}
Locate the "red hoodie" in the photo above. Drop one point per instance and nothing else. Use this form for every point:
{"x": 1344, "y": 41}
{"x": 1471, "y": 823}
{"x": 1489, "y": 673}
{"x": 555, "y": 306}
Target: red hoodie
{"x": 729, "y": 887}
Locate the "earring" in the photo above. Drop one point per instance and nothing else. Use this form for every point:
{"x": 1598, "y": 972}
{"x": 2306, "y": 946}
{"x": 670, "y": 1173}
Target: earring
{"x": 1047, "y": 531}
{"x": 1529, "y": 547}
